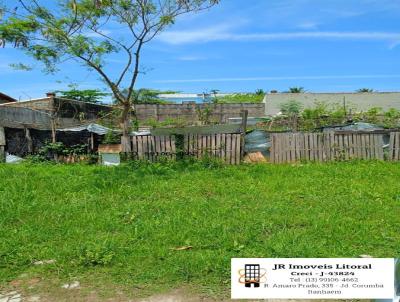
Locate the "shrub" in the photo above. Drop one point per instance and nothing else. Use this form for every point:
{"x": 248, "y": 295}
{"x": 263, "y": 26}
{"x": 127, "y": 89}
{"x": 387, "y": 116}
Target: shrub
{"x": 111, "y": 138}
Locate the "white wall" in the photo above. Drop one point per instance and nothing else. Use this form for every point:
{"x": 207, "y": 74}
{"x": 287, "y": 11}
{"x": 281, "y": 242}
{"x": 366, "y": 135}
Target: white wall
{"x": 359, "y": 101}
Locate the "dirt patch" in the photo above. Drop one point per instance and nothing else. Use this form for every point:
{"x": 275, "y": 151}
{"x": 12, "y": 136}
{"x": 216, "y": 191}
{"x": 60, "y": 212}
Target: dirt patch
{"x": 179, "y": 295}
{"x": 35, "y": 289}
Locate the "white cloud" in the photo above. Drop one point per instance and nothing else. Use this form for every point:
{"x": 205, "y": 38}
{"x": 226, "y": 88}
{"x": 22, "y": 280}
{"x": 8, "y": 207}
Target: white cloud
{"x": 191, "y": 58}
{"x": 196, "y": 35}
{"x": 318, "y": 77}
{"x": 308, "y": 25}
{"x": 341, "y": 13}
{"x": 223, "y": 34}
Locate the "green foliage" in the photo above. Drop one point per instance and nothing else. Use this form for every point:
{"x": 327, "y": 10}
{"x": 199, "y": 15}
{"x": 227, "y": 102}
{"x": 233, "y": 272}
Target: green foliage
{"x": 95, "y": 255}
{"x": 373, "y": 114}
{"x": 147, "y": 96}
{"x": 57, "y": 148}
{"x": 110, "y": 119}
{"x": 260, "y": 92}
{"x": 78, "y": 31}
{"x": 291, "y": 108}
{"x": 49, "y": 150}
{"x": 86, "y": 95}
{"x": 112, "y": 137}
{"x": 119, "y": 226}
{"x": 296, "y": 90}
{"x": 16, "y": 30}
{"x": 168, "y": 122}
{"x": 204, "y": 114}
{"x": 324, "y": 114}
{"x": 21, "y": 66}
{"x": 338, "y": 112}
{"x": 392, "y": 118}
{"x": 319, "y": 110}
{"x": 364, "y": 90}
{"x": 241, "y": 98}
{"x": 315, "y": 116}
{"x": 168, "y": 167}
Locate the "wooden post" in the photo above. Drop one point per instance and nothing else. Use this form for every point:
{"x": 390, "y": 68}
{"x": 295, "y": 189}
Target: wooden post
{"x": 2, "y": 145}
{"x": 91, "y": 141}
{"x": 29, "y": 140}
{"x": 53, "y": 131}
{"x": 244, "y": 114}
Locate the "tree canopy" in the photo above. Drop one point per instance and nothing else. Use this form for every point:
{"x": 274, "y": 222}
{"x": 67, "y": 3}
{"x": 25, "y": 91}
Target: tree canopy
{"x": 85, "y": 95}
{"x": 296, "y": 90}
{"x": 364, "y": 90}
{"x": 88, "y": 32}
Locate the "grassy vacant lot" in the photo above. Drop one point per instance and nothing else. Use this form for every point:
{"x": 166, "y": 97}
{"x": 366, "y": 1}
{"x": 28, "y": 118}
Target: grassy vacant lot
{"x": 121, "y": 225}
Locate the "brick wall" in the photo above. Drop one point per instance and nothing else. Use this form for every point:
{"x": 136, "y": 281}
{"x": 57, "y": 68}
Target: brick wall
{"x": 188, "y": 111}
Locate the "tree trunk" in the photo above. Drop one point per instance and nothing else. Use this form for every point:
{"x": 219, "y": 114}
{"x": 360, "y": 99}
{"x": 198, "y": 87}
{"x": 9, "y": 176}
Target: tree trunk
{"x": 126, "y": 127}
{"x": 29, "y": 140}
{"x": 53, "y": 131}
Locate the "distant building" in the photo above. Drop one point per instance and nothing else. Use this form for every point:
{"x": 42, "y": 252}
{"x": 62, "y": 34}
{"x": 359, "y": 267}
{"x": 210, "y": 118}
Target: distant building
{"x": 6, "y": 99}
{"x": 356, "y": 101}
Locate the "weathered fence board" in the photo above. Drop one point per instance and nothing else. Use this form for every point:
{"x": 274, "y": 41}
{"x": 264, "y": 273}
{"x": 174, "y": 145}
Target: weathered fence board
{"x": 394, "y": 146}
{"x": 292, "y": 147}
{"x": 225, "y": 146}
{"x": 2, "y": 145}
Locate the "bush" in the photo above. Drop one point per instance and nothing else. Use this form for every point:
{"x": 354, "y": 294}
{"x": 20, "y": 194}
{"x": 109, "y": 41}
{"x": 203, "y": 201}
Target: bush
{"x": 257, "y": 97}
{"x": 111, "y": 138}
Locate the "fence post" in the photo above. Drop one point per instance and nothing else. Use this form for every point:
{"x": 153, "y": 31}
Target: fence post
{"x": 244, "y": 114}
{"x": 394, "y": 146}
{"x": 2, "y": 145}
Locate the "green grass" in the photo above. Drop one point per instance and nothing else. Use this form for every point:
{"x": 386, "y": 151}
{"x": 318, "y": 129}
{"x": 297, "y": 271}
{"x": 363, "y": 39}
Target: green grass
{"x": 120, "y": 225}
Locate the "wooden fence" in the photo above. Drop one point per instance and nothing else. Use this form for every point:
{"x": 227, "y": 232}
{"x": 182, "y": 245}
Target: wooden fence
{"x": 293, "y": 147}
{"x": 225, "y": 146}
{"x": 394, "y": 146}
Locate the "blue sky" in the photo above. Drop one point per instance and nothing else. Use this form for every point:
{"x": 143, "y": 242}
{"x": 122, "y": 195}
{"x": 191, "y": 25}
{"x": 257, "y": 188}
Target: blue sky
{"x": 240, "y": 46}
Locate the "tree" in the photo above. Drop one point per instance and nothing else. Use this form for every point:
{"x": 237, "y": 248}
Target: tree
{"x": 364, "y": 90}
{"x": 86, "y": 95}
{"x": 80, "y": 30}
{"x": 146, "y": 96}
{"x": 296, "y": 90}
{"x": 260, "y": 92}
{"x": 292, "y": 110}
{"x": 214, "y": 92}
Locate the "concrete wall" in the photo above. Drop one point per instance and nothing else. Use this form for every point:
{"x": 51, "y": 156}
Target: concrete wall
{"x": 188, "y": 111}
{"x": 357, "y": 101}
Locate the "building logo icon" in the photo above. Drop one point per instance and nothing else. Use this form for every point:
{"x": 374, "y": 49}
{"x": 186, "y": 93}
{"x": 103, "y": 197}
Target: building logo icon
{"x": 252, "y": 275}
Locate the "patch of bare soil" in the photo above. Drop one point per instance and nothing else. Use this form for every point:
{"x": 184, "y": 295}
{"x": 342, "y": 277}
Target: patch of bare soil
{"x": 179, "y": 295}
{"x": 35, "y": 289}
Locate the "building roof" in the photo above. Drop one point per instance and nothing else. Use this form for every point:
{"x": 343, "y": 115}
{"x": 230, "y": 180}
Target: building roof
{"x": 7, "y": 98}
